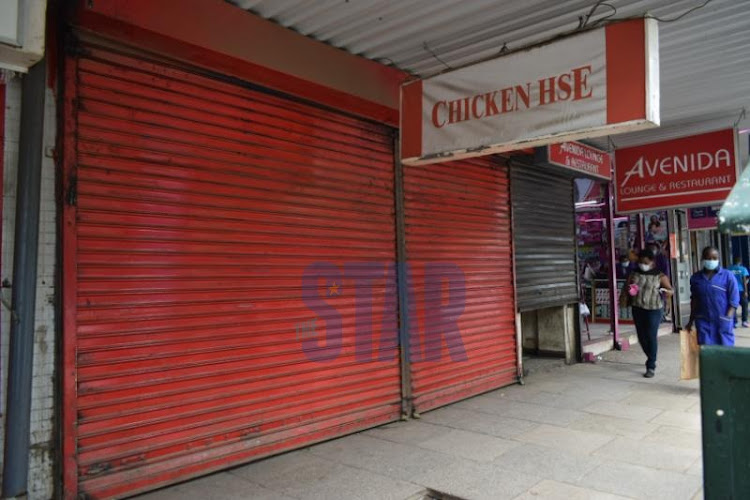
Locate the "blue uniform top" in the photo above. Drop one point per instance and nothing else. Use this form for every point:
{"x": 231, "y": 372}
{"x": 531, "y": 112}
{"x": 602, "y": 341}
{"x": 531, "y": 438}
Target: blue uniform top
{"x": 712, "y": 297}
{"x": 740, "y": 272}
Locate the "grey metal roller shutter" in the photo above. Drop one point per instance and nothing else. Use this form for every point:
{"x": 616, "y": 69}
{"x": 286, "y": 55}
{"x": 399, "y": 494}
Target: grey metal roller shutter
{"x": 544, "y": 236}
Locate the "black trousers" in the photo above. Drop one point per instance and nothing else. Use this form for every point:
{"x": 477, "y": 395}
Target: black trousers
{"x": 647, "y": 326}
{"x": 743, "y": 304}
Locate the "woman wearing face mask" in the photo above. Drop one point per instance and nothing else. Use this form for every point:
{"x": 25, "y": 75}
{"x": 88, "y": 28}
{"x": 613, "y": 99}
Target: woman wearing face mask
{"x": 714, "y": 299}
{"x": 643, "y": 291}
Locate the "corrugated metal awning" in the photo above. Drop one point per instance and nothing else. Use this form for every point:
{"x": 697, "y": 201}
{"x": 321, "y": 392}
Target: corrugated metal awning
{"x": 704, "y": 55}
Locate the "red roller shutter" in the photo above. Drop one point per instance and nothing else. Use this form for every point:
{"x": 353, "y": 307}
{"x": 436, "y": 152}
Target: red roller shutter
{"x": 458, "y": 244}
{"x": 207, "y": 225}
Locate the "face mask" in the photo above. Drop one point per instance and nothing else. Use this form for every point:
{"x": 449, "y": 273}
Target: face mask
{"x": 645, "y": 267}
{"x": 710, "y": 265}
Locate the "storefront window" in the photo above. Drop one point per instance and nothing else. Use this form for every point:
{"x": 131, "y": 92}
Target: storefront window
{"x": 593, "y": 248}
{"x": 655, "y": 227}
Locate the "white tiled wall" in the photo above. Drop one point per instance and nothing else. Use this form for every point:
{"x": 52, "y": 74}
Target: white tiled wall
{"x": 41, "y": 481}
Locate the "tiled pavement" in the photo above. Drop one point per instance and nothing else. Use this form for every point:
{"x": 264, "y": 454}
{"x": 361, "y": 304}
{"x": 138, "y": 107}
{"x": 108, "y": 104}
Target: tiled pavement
{"x": 580, "y": 432}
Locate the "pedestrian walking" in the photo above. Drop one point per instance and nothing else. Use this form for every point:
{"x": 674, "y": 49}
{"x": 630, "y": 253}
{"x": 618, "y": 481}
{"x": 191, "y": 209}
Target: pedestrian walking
{"x": 714, "y": 300}
{"x": 742, "y": 275}
{"x": 643, "y": 291}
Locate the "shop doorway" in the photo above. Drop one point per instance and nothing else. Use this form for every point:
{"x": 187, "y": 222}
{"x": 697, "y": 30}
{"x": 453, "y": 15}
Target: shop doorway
{"x": 594, "y": 251}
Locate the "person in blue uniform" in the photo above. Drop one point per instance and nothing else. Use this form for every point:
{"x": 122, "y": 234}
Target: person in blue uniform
{"x": 714, "y": 300}
{"x": 741, "y": 273}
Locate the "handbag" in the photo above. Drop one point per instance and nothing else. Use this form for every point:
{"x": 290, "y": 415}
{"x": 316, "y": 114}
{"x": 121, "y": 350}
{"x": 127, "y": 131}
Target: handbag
{"x": 584, "y": 309}
{"x": 689, "y": 355}
{"x": 625, "y": 299}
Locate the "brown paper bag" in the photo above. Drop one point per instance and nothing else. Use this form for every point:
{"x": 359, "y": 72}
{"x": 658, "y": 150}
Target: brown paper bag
{"x": 689, "y": 355}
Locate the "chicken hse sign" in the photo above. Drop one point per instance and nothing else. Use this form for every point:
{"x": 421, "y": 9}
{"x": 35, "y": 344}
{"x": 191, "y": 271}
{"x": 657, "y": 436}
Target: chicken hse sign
{"x": 598, "y": 82}
{"x": 690, "y": 171}
{"x": 569, "y": 86}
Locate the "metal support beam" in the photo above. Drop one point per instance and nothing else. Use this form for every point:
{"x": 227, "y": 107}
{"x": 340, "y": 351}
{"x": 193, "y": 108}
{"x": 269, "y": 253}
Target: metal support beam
{"x": 518, "y": 322}
{"x": 614, "y": 306}
{"x": 579, "y": 285}
{"x": 402, "y": 278}
{"x": 26, "y": 245}
{"x": 640, "y": 237}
